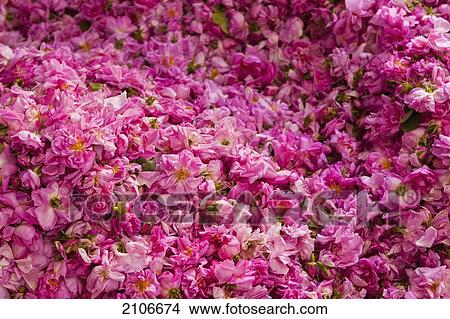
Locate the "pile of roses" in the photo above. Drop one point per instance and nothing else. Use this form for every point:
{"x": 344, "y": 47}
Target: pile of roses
{"x": 224, "y": 149}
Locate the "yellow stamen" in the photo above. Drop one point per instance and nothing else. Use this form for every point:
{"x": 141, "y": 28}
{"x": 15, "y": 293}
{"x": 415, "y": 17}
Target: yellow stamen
{"x": 214, "y": 73}
{"x": 400, "y": 63}
{"x": 182, "y": 174}
{"x": 435, "y": 286}
{"x": 386, "y": 163}
{"x": 38, "y": 116}
{"x": 65, "y": 86}
{"x": 142, "y": 285}
{"x": 85, "y": 46}
{"x": 53, "y": 282}
{"x": 168, "y": 61}
{"x": 336, "y": 188}
{"x": 172, "y": 13}
{"x": 78, "y": 146}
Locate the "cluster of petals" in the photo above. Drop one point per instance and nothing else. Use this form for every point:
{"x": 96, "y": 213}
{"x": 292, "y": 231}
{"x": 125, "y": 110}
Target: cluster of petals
{"x": 225, "y": 149}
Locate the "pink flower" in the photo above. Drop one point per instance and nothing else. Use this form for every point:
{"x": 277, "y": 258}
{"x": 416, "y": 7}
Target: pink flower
{"x": 441, "y": 147}
{"x": 49, "y": 202}
{"x": 238, "y": 26}
{"x": 120, "y": 27}
{"x": 344, "y": 248}
{"x": 253, "y": 68}
{"x": 237, "y": 274}
{"x": 280, "y": 252}
{"x": 170, "y": 285}
{"x": 6, "y": 53}
{"x": 7, "y": 167}
{"x": 428, "y": 238}
{"x": 30, "y": 179}
{"x": 26, "y": 240}
{"x": 253, "y": 168}
{"x": 56, "y": 286}
{"x": 74, "y": 150}
{"x": 420, "y": 100}
{"x": 421, "y": 179}
{"x": 429, "y": 283}
{"x": 135, "y": 258}
{"x": 293, "y": 30}
{"x": 230, "y": 247}
{"x": 359, "y": 7}
{"x": 189, "y": 253}
{"x": 143, "y": 284}
{"x": 103, "y": 278}
{"x": 27, "y": 140}
{"x": 182, "y": 172}
{"x": 366, "y": 274}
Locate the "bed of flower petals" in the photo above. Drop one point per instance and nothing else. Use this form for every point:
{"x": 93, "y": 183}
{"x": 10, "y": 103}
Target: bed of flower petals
{"x": 224, "y": 149}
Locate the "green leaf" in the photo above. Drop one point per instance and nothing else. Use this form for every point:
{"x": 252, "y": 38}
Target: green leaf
{"x": 108, "y": 5}
{"x": 214, "y": 44}
{"x": 9, "y": 17}
{"x": 147, "y": 165}
{"x": 131, "y": 91}
{"x": 358, "y": 76}
{"x": 150, "y": 100}
{"x": 138, "y": 35}
{"x": 432, "y": 128}
{"x": 53, "y": 15}
{"x": 220, "y": 18}
{"x": 96, "y": 86}
{"x": 121, "y": 247}
{"x": 119, "y": 209}
{"x": 3, "y": 130}
{"x": 85, "y": 25}
{"x": 191, "y": 67}
{"x": 71, "y": 11}
{"x": 407, "y": 87}
{"x": 118, "y": 44}
{"x": 410, "y": 121}
{"x": 164, "y": 29}
{"x": 253, "y": 26}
